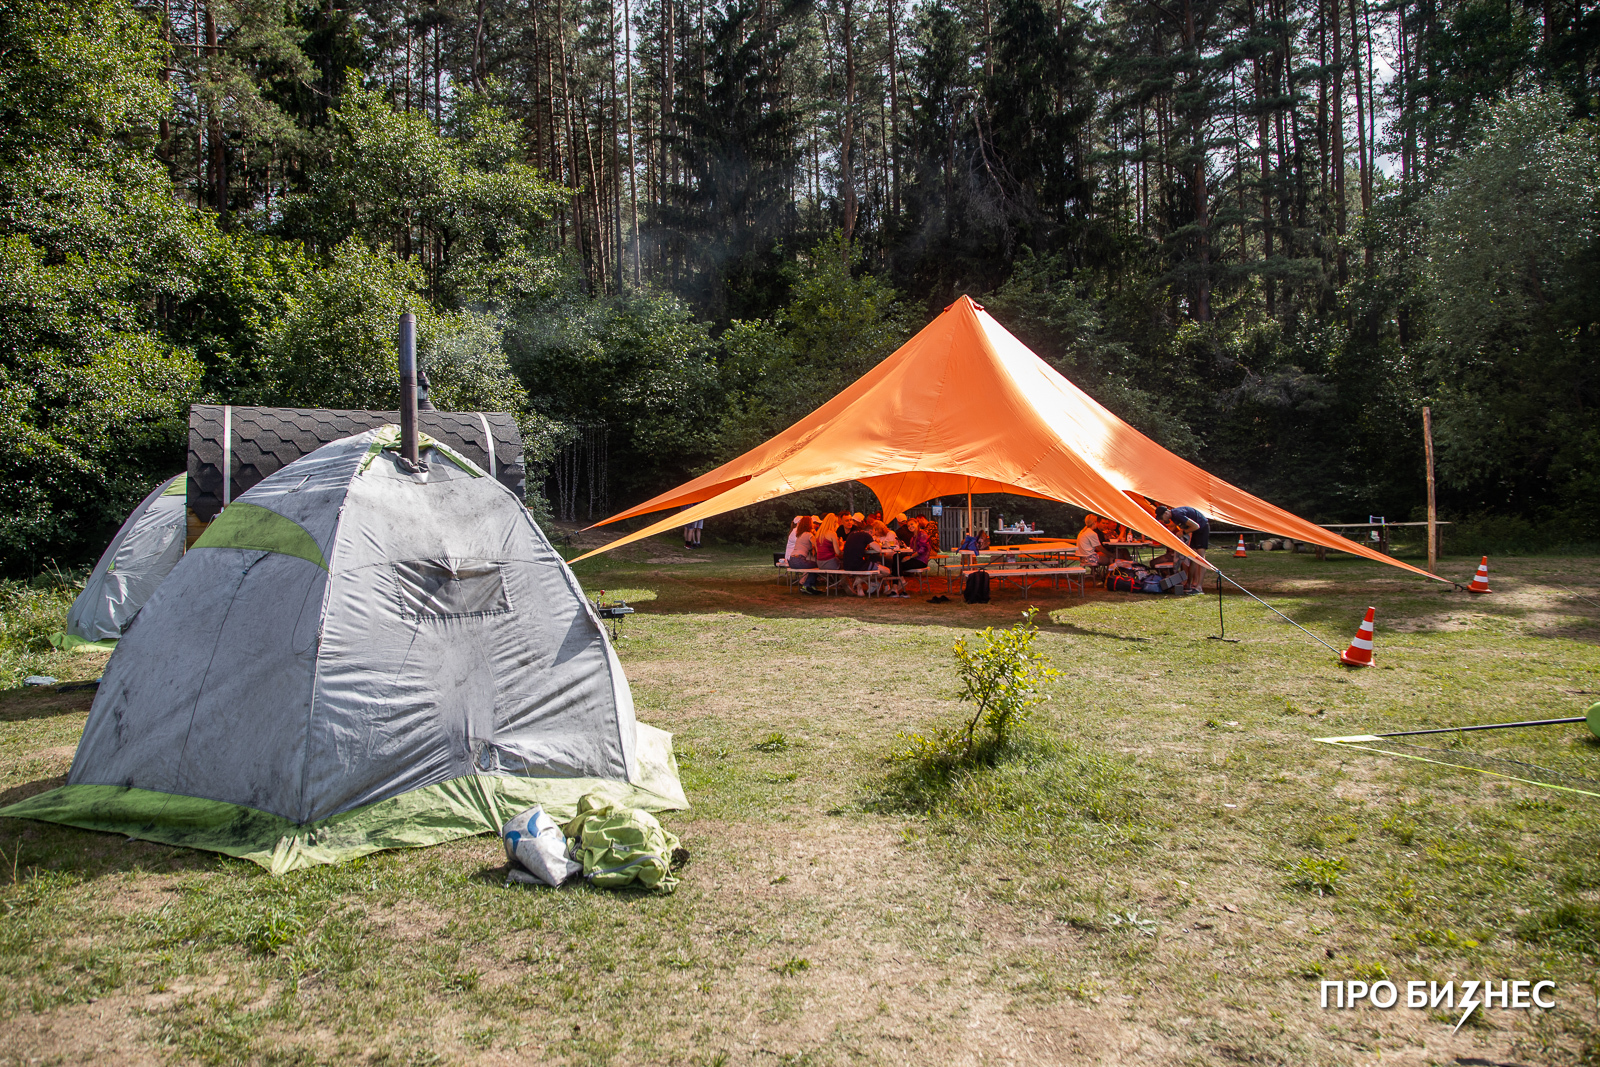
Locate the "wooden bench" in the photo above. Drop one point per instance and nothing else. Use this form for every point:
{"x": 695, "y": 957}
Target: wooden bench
{"x": 1026, "y": 576}
{"x": 832, "y": 579}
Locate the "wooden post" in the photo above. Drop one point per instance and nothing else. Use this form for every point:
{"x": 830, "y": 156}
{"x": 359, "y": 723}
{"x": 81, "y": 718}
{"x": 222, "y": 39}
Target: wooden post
{"x": 1433, "y": 512}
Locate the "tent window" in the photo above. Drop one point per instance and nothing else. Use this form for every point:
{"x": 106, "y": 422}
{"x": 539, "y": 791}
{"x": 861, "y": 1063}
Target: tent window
{"x": 450, "y": 589}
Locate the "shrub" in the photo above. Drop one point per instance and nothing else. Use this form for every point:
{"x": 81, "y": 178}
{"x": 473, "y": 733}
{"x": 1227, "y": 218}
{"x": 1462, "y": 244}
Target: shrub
{"x": 29, "y": 613}
{"x": 1002, "y": 679}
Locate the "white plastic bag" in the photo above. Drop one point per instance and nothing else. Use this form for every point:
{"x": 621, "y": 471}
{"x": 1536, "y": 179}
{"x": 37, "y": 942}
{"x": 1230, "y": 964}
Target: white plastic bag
{"x": 537, "y": 850}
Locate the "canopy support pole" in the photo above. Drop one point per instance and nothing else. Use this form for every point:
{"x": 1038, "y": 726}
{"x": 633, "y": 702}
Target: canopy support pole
{"x": 1433, "y": 511}
{"x": 1222, "y": 627}
{"x": 971, "y": 532}
{"x": 1272, "y": 609}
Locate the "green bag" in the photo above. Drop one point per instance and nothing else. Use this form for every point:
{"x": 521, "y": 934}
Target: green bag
{"x": 621, "y": 846}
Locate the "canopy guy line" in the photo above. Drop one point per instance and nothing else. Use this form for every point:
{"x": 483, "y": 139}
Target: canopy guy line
{"x": 1355, "y": 742}
{"x": 1269, "y": 607}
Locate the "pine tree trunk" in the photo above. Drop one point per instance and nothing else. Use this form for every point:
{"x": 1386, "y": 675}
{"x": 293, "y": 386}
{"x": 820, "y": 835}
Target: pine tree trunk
{"x": 1372, "y": 133}
{"x": 894, "y": 110}
{"x": 633, "y": 187}
{"x": 1337, "y": 127}
{"x": 571, "y": 147}
{"x": 1361, "y": 124}
{"x": 219, "y": 150}
{"x": 1202, "y": 309}
{"x": 1262, "y": 147}
{"x": 618, "y": 247}
{"x": 847, "y": 143}
{"x": 164, "y": 133}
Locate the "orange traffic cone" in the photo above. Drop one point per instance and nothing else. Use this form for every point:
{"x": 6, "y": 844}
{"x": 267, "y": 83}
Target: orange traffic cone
{"x": 1239, "y": 552}
{"x": 1480, "y": 581}
{"x": 1359, "y": 654}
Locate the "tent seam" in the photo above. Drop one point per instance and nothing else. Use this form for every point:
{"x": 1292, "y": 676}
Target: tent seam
{"x": 322, "y": 619}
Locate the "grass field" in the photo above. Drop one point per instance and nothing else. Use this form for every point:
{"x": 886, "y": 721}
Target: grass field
{"x": 1163, "y": 869}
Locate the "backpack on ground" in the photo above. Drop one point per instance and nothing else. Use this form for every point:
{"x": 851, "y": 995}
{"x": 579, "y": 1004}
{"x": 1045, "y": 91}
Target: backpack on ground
{"x": 1121, "y": 582}
{"x": 976, "y": 589}
{"x": 621, "y": 846}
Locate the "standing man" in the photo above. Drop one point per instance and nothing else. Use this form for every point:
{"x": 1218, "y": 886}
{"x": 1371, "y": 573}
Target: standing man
{"x": 1193, "y": 522}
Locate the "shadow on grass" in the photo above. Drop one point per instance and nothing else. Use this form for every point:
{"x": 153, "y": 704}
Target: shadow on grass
{"x": 43, "y": 702}
{"x": 1083, "y": 631}
{"x": 31, "y": 847}
{"x": 30, "y": 789}
{"x": 1325, "y": 597}
{"x": 496, "y": 877}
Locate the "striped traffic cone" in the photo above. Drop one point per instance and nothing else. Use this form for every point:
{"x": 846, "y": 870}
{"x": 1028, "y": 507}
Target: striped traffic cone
{"x": 1359, "y": 654}
{"x": 1239, "y": 552}
{"x": 1480, "y": 581}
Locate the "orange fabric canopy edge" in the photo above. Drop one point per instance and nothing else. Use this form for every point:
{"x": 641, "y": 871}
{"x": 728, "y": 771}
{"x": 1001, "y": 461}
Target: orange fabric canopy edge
{"x": 966, "y": 407}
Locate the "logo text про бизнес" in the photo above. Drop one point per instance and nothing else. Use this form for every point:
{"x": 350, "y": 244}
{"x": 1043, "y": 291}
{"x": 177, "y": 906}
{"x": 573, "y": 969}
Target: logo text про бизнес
{"x": 1512, "y": 994}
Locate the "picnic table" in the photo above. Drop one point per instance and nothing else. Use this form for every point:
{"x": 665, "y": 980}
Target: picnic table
{"x": 1022, "y": 564}
{"x": 1017, "y": 531}
{"x": 1026, "y": 576}
{"x": 1382, "y": 529}
{"x": 1134, "y": 547}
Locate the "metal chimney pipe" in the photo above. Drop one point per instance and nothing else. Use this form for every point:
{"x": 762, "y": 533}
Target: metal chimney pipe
{"x": 408, "y": 387}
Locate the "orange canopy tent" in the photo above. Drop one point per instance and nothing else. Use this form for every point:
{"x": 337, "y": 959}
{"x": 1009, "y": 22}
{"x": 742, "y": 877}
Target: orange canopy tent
{"x": 965, "y": 407}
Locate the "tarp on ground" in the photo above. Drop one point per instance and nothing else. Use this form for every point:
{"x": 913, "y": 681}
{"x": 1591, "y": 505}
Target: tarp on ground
{"x": 461, "y": 807}
{"x": 966, "y": 407}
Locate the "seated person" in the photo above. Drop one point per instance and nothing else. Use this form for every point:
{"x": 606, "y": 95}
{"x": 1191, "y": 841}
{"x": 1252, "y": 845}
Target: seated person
{"x": 828, "y": 545}
{"x": 1112, "y": 530}
{"x": 1089, "y": 547}
{"x": 803, "y": 555}
{"x": 854, "y": 557}
{"x": 794, "y": 532}
{"x": 921, "y": 545}
{"x": 889, "y": 557}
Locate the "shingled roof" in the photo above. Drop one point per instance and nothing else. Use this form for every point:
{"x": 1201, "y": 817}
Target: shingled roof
{"x": 265, "y": 440}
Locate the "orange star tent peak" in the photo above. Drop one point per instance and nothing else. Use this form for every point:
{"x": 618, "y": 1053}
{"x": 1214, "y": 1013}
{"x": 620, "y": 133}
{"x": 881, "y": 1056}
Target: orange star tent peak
{"x": 965, "y": 407}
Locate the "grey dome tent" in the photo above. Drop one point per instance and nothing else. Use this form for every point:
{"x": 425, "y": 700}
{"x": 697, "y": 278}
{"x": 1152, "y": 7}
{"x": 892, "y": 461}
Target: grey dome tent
{"x": 146, "y": 548}
{"x": 355, "y": 657}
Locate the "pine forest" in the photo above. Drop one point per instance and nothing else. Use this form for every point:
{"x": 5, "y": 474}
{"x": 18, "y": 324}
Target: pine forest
{"x": 1265, "y": 232}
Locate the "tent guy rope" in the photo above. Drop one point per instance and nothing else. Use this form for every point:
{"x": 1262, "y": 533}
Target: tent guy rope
{"x": 1356, "y": 741}
{"x": 1269, "y": 607}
